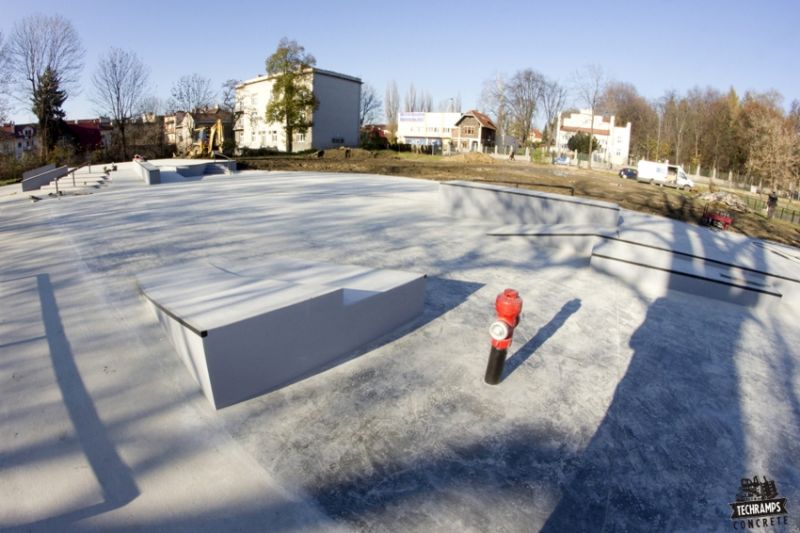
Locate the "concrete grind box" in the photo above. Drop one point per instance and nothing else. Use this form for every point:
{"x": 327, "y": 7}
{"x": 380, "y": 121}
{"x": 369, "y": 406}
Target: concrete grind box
{"x": 244, "y": 331}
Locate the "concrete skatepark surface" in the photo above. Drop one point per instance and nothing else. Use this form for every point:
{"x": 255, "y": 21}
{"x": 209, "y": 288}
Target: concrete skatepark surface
{"x": 617, "y": 411}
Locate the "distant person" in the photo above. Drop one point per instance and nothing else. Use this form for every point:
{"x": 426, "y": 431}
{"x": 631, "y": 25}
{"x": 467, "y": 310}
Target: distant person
{"x": 772, "y": 203}
{"x": 511, "y": 155}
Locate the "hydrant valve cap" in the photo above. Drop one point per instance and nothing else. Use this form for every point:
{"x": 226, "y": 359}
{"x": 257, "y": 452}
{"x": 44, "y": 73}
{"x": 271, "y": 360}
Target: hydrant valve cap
{"x": 499, "y": 330}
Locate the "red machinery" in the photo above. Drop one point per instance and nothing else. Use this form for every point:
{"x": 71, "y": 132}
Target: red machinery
{"x": 716, "y": 218}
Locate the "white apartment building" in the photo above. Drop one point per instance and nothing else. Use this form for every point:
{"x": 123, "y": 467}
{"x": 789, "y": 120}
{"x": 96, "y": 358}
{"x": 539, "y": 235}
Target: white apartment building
{"x": 614, "y": 141}
{"x": 335, "y": 121}
{"x": 423, "y": 128}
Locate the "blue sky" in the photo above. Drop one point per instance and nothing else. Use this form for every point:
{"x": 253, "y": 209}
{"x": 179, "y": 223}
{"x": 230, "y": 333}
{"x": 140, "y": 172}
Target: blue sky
{"x": 445, "y": 48}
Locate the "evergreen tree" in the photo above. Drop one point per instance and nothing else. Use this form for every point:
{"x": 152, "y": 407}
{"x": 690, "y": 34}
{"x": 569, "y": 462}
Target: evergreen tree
{"x": 293, "y": 100}
{"x": 580, "y": 142}
{"x": 48, "y": 99}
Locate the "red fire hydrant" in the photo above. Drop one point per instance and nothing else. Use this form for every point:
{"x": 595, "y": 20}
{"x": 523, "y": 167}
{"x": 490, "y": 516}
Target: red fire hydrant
{"x": 508, "y": 307}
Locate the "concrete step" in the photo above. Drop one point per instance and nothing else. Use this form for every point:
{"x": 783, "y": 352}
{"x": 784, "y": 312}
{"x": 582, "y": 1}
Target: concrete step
{"x": 655, "y": 271}
{"x": 81, "y": 183}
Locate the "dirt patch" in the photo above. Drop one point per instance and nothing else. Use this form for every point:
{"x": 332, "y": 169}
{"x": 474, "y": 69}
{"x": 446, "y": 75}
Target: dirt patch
{"x": 629, "y": 194}
{"x": 343, "y": 153}
{"x": 472, "y": 158}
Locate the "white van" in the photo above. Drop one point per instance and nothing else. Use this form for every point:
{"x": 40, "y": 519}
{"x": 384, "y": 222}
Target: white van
{"x": 663, "y": 174}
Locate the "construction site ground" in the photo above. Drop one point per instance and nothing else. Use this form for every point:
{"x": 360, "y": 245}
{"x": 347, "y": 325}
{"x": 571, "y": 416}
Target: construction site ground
{"x": 617, "y": 411}
{"x": 597, "y": 184}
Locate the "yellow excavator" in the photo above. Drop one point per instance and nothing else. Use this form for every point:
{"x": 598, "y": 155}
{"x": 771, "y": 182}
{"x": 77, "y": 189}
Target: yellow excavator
{"x": 208, "y": 140}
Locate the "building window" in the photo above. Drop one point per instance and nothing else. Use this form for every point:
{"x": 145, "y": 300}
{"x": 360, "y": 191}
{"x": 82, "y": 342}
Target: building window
{"x": 301, "y": 137}
{"x": 275, "y": 137}
{"x": 337, "y": 140}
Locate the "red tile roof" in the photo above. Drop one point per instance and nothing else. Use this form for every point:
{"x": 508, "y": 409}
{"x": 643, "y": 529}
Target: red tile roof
{"x": 584, "y": 130}
{"x": 485, "y": 121}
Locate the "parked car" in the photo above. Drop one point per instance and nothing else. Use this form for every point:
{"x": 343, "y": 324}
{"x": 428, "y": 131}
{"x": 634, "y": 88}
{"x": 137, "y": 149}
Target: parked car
{"x": 561, "y": 160}
{"x": 628, "y": 173}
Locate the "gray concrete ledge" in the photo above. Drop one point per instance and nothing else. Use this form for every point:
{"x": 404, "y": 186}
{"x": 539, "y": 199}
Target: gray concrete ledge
{"x": 206, "y": 169}
{"x": 149, "y": 172}
{"x": 518, "y": 206}
{"x": 248, "y": 331}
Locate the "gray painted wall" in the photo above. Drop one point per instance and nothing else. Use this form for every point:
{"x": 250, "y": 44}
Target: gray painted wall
{"x": 337, "y": 114}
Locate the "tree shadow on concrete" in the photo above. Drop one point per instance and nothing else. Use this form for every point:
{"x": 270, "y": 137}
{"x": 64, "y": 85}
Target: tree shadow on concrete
{"x": 484, "y": 485}
{"x": 115, "y": 479}
{"x": 544, "y": 333}
{"x": 672, "y": 447}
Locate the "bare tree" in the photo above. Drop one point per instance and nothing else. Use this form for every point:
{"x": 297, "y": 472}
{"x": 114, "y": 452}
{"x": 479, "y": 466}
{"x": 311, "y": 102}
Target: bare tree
{"x": 794, "y": 125}
{"x": 524, "y": 92}
{"x": 494, "y": 99}
{"x": 675, "y": 122}
{"x": 120, "y": 82}
{"x": 794, "y": 115}
{"x": 553, "y": 97}
{"x": 589, "y": 85}
{"x": 410, "y": 101}
{"x": 41, "y": 41}
{"x": 229, "y": 94}
{"x": 192, "y": 93}
{"x": 150, "y": 105}
{"x": 624, "y": 102}
{"x": 3, "y": 78}
{"x": 370, "y": 107}
{"x": 392, "y": 108}
{"x": 426, "y": 102}
{"x": 450, "y": 105}
{"x": 771, "y": 139}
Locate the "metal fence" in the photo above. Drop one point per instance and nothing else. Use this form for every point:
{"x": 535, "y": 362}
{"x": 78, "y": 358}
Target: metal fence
{"x": 783, "y": 213}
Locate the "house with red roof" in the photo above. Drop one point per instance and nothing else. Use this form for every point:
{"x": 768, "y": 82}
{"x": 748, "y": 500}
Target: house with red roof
{"x": 18, "y": 139}
{"x": 473, "y": 132}
{"x": 8, "y": 142}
